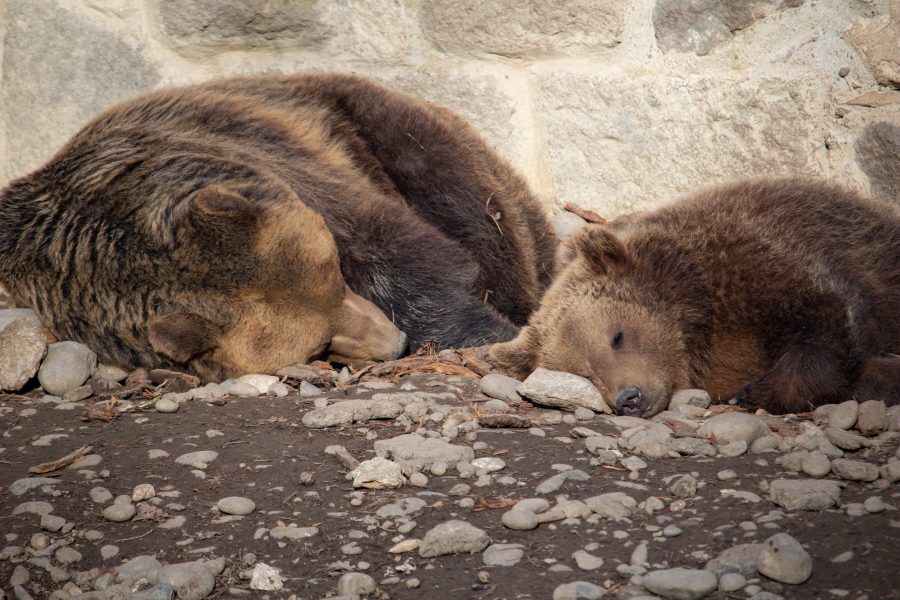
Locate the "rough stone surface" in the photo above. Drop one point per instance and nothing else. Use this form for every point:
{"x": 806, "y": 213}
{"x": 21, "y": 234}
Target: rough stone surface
{"x": 22, "y": 347}
{"x": 66, "y": 366}
{"x": 351, "y": 411}
{"x": 876, "y": 40}
{"x": 355, "y": 584}
{"x": 513, "y": 29}
{"x": 377, "y": 473}
{"x": 191, "y": 580}
{"x": 855, "y": 470}
{"x": 453, "y": 537}
{"x": 422, "y": 452}
{"x": 562, "y": 390}
{"x": 783, "y": 559}
{"x": 737, "y": 559}
{"x": 878, "y": 155}
{"x": 501, "y": 387}
{"x": 503, "y": 555}
{"x": 702, "y": 25}
{"x": 873, "y": 417}
{"x": 805, "y": 494}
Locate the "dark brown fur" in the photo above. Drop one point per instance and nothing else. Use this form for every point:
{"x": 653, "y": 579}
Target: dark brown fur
{"x": 195, "y": 227}
{"x": 783, "y": 293}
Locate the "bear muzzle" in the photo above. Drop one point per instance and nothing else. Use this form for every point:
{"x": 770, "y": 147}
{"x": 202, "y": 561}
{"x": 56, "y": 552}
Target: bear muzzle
{"x": 630, "y": 402}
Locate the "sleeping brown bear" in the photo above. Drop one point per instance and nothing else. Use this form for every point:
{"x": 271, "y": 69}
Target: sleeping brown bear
{"x": 247, "y": 224}
{"x": 785, "y": 294}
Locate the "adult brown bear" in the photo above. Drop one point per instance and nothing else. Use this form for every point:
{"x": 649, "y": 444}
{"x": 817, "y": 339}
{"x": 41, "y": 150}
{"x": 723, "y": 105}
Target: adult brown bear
{"x": 783, "y": 293}
{"x": 246, "y": 224}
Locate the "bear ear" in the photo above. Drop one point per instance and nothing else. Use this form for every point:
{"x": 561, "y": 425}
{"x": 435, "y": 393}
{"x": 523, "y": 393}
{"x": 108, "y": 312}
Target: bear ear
{"x": 217, "y": 201}
{"x": 601, "y": 250}
{"x": 519, "y": 356}
{"x": 180, "y": 336}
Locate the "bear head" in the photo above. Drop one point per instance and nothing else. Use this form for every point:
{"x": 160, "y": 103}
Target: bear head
{"x": 606, "y": 318}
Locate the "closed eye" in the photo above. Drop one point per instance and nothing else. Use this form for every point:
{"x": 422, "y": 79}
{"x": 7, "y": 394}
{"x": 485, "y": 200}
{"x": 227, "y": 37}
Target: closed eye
{"x": 617, "y": 340}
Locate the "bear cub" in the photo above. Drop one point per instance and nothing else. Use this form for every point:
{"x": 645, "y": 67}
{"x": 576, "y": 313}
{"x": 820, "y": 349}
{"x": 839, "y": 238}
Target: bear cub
{"x": 784, "y": 294}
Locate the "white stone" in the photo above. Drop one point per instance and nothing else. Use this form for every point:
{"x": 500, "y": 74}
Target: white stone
{"x": 562, "y": 390}
{"x": 783, "y": 559}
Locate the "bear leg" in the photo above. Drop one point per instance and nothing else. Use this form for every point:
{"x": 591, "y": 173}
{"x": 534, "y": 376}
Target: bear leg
{"x": 803, "y": 377}
{"x": 879, "y": 380}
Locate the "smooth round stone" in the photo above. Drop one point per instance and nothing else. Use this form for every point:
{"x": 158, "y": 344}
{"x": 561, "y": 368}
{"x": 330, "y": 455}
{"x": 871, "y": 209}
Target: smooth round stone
{"x": 500, "y": 387}
{"x": 672, "y": 531}
{"x": 67, "y": 555}
{"x": 111, "y": 373}
{"x": 583, "y": 414}
{"x": 726, "y": 474}
{"x": 233, "y": 387}
{"x": 503, "y": 555}
{"x": 198, "y": 457}
{"x": 236, "y": 505}
{"x": 520, "y": 520}
{"x": 874, "y": 505}
{"x": 783, "y": 559}
{"x": 681, "y": 583}
{"x": 166, "y": 405}
{"x": 37, "y": 508}
{"x": 418, "y": 480}
{"x": 52, "y": 522}
{"x": 119, "y": 512}
{"x": 733, "y": 449}
{"x": 578, "y": 590}
{"x": 66, "y": 367}
{"x": 355, "y": 584}
{"x": 816, "y": 464}
{"x": 489, "y": 463}
{"x": 533, "y": 505}
{"x": 308, "y": 390}
{"x": 844, "y": 415}
{"x": 109, "y": 551}
{"x": 731, "y": 582}
{"x": 495, "y": 406}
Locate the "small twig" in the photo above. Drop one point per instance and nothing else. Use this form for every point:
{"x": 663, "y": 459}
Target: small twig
{"x": 68, "y": 459}
{"x": 588, "y": 215}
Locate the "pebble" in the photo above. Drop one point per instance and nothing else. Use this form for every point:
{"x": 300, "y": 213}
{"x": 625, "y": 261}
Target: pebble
{"x": 421, "y": 452}
{"x": 681, "y": 583}
{"x": 200, "y": 457}
{"x": 844, "y": 415}
{"x": 355, "y": 584}
{"x": 734, "y": 449}
{"x": 351, "y": 411}
{"x": 418, "y": 479}
{"x": 234, "y": 387}
{"x": 805, "y": 494}
{"x": 165, "y": 405}
{"x": 142, "y": 491}
{"x": 737, "y": 559}
{"x": 66, "y": 367}
{"x": 293, "y": 533}
{"x": 520, "y": 520}
{"x": 453, "y": 537}
{"x": 109, "y": 551}
{"x": 308, "y": 390}
{"x": 500, "y": 387}
{"x": 873, "y": 417}
{"x": 261, "y": 382}
{"x": 816, "y": 464}
{"x": 489, "y": 464}
{"x": 783, "y": 559}
{"x": 854, "y": 470}
{"x": 377, "y": 473}
{"x": 503, "y": 555}
{"x": 726, "y": 475}
{"x": 846, "y": 440}
{"x": 280, "y": 390}
{"x": 20, "y": 576}
{"x": 120, "y": 510}
{"x": 587, "y": 561}
{"x": 726, "y": 428}
{"x": 578, "y": 590}
{"x": 111, "y": 373}
{"x": 401, "y": 508}
{"x": 67, "y": 555}
{"x": 37, "y": 507}
{"x": 684, "y": 486}
{"x": 874, "y": 505}
{"x": 52, "y": 522}
{"x": 236, "y": 505}
{"x": 265, "y": 578}
{"x": 553, "y": 483}
{"x": 731, "y": 582}
{"x": 562, "y": 390}
{"x": 583, "y": 414}
{"x": 690, "y": 397}
{"x": 614, "y": 505}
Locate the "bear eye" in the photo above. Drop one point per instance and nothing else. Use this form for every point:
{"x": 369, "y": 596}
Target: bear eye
{"x": 617, "y": 340}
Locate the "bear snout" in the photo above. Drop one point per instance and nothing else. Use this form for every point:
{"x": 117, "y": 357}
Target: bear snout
{"x": 630, "y": 402}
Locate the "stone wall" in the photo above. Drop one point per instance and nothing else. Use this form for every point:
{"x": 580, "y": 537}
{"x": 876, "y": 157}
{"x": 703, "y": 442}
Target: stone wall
{"x": 613, "y": 104}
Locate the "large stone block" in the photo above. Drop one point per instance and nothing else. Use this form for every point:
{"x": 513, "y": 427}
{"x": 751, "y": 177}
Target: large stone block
{"x": 193, "y": 25}
{"x": 524, "y": 29}
{"x": 620, "y": 140}
{"x": 878, "y": 155}
{"x": 374, "y": 31}
{"x": 59, "y": 69}
{"x": 878, "y": 41}
{"x": 700, "y": 25}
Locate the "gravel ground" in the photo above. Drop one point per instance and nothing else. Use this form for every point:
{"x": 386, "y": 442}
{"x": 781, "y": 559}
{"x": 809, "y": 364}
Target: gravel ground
{"x": 691, "y": 504}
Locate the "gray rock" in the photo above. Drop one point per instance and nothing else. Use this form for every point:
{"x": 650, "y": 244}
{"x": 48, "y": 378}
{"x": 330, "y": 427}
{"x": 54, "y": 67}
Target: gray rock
{"x": 816, "y": 464}
{"x": 737, "y": 559}
{"x": 111, "y": 373}
{"x": 578, "y": 590}
{"x": 401, "y": 508}
{"x": 67, "y": 556}
{"x": 701, "y": 25}
{"x": 199, "y": 457}
{"x": 680, "y": 583}
{"x": 731, "y": 582}
{"x": 855, "y": 470}
{"x": 520, "y": 520}
{"x": 165, "y": 405}
{"x": 500, "y": 387}
{"x": 690, "y": 397}
{"x": 733, "y": 449}
{"x": 37, "y": 508}
{"x": 587, "y": 561}
{"x": 614, "y": 505}
{"x": 265, "y": 578}
{"x": 562, "y": 390}
{"x": 139, "y": 567}
{"x": 20, "y": 576}
{"x": 47, "y": 95}
{"x": 52, "y": 522}
{"x": 190, "y": 580}
{"x": 236, "y": 505}
{"x": 308, "y": 390}
{"x": 652, "y": 442}
{"x": 377, "y": 473}
{"x": 80, "y": 393}
{"x": 100, "y": 495}
{"x": 732, "y": 427}
{"x": 684, "y": 486}
{"x": 873, "y": 417}
{"x": 783, "y": 559}
{"x": 874, "y": 505}
{"x": 766, "y": 443}
{"x": 554, "y": 482}
{"x": 846, "y": 440}
{"x": 119, "y": 511}
{"x": 512, "y": 29}
{"x": 22, "y": 486}
{"x": 420, "y": 452}
{"x": 844, "y": 415}
{"x": 453, "y": 537}
{"x": 891, "y": 470}
{"x": 503, "y": 555}
{"x": 355, "y": 584}
{"x": 66, "y": 366}
{"x": 22, "y": 347}
{"x": 10, "y": 315}
{"x": 217, "y": 24}
{"x": 293, "y": 533}
{"x": 692, "y": 447}
{"x": 241, "y": 389}
{"x": 878, "y": 155}
{"x": 352, "y": 411}
{"x": 805, "y": 494}
{"x": 489, "y": 464}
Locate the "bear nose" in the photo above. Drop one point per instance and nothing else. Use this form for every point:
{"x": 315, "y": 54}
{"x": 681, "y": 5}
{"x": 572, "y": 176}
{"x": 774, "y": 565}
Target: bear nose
{"x": 630, "y": 402}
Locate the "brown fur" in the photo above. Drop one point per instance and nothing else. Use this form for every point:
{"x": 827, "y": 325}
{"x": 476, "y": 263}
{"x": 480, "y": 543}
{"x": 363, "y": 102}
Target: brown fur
{"x": 246, "y": 224}
{"x": 782, "y": 293}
